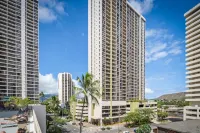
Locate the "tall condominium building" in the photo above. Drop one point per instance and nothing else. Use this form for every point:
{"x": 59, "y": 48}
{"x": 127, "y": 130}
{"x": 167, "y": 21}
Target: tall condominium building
{"x": 19, "y": 48}
{"x": 65, "y": 87}
{"x": 116, "y": 55}
{"x": 192, "y": 18}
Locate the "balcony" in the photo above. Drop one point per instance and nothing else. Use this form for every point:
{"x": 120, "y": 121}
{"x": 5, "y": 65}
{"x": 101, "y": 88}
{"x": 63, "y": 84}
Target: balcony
{"x": 193, "y": 66}
{"x": 193, "y": 81}
{"x": 193, "y": 90}
{"x": 191, "y": 72}
{"x": 192, "y": 39}
{"x": 193, "y": 76}
{"x": 194, "y": 18}
{"x": 193, "y": 50}
{"x": 192, "y": 29}
{"x": 193, "y": 85}
{"x": 192, "y": 57}
{"x": 193, "y": 95}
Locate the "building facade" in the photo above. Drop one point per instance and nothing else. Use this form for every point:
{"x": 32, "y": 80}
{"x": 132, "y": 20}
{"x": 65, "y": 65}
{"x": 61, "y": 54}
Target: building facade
{"x": 116, "y": 42}
{"x": 76, "y": 110}
{"x": 19, "y": 74}
{"x": 65, "y": 87}
{"x": 192, "y": 18}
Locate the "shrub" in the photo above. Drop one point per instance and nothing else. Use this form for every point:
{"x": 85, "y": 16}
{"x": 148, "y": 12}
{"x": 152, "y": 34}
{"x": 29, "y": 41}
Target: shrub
{"x": 162, "y": 115}
{"x": 144, "y": 129}
{"x": 106, "y": 121}
{"x": 103, "y": 128}
{"x": 86, "y": 119}
{"x": 108, "y": 128}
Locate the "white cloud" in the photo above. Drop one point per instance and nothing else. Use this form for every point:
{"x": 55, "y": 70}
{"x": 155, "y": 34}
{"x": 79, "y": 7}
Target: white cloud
{"x": 168, "y": 61}
{"x": 60, "y": 7}
{"x": 142, "y": 6}
{"x": 48, "y": 84}
{"x": 175, "y": 51}
{"x": 76, "y": 83}
{"x": 46, "y": 15}
{"x": 156, "y": 56}
{"x": 148, "y": 91}
{"x": 158, "y": 48}
{"x": 160, "y": 43}
{"x": 50, "y": 10}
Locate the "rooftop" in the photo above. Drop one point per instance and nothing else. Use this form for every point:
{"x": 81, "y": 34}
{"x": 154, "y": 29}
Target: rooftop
{"x": 189, "y": 126}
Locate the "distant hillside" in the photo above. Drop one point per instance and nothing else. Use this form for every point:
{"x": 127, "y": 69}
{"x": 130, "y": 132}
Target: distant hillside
{"x": 47, "y": 96}
{"x": 173, "y": 96}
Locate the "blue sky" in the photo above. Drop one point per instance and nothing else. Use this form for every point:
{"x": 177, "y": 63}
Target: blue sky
{"x": 63, "y": 42}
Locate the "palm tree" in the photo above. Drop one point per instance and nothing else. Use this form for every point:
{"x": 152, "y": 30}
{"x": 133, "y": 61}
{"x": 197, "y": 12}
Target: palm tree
{"x": 54, "y": 104}
{"x": 41, "y": 95}
{"x": 89, "y": 89}
{"x": 72, "y": 104}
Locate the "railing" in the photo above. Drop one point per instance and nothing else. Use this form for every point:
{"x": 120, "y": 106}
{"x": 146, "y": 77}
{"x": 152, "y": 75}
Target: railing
{"x": 36, "y": 123}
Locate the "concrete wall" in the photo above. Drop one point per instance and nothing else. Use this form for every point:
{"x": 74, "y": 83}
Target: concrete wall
{"x": 40, "y": 111}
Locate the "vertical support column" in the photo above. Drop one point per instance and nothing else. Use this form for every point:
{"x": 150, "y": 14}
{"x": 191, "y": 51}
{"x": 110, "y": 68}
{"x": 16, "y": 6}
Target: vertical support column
{"x": 184, "y": 113}
{"x": 23, "y": 49}
{"x": 111, "y": 58}
{"x": 140, "y": 60}
{"x": 90, "y": 56}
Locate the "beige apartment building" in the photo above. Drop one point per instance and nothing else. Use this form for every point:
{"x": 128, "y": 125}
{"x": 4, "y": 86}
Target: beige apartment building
{"x": 116, "y": 56}
{"x": 19, "y": 74}
{"x": 192, "y": 18}
{"x": 65, "y": 87}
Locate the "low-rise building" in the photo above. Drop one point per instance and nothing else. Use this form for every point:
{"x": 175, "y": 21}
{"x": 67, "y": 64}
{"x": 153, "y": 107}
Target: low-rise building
{"x": 132, "y": 106}
{"x": 76, "y": 110}
{"x": 190, "y": 126}
{"x": 191, "y": 112}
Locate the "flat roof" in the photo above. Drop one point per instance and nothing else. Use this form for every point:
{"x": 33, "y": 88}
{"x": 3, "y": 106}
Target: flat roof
{"x": 189, "y": 126}
{"x": 136, "y": 11}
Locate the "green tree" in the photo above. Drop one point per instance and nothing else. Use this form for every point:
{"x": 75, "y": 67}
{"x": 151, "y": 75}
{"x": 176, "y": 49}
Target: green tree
{"x": 19, "y": 102}
{"x": 166, "y": 107}
{"x": 140, "y": 116}
{"x": 55, "y": 125}
{"x": 144, "y": 129}
{"x": 41, "y": 95}
{"x": 52, "y": 105}
{"x": 89, "y": 89}
{"x": 162, "y": 115}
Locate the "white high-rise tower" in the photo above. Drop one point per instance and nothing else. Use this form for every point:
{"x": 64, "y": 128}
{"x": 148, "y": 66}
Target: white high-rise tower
{"x": 116, "y": 55}
{"x": 192, "y": 23}
{"x": 19, "y": 74}
{"x": 65, "y": 87}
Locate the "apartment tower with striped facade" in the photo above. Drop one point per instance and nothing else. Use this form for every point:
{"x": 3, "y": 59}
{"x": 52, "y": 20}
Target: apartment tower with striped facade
{"x": 116, "y": 56}
{"x": 19, "y": 67}
{"x": 65, "y": 87}
{"x": 192, "y": 18}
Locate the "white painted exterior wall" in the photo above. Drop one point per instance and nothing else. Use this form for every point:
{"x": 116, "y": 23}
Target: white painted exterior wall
{"x": 38, "y": 119}
{"x": 192, "y": 19}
